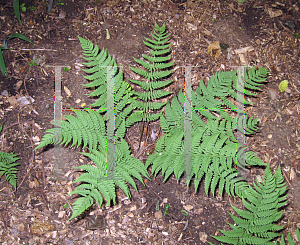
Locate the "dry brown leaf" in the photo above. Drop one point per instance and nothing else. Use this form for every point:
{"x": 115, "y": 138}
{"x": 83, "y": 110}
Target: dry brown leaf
{"x": 158, "y": 214}
{"x": 41, "y": 227}
{"x": 292, "y": 174}
{"x": 68, "y": 92}
{"x": 18, "y": 85}
{"x": 214, "y": 49}
{"x": 12, "y": 100}
{"x": 188, "y": 207}
{"x": 274, "y": 12}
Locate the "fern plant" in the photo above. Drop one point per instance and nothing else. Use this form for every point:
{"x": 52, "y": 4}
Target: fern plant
{"x": 8, "y": 166}
{"x": 256, "y": 225}
{"x": 153, "y": 72}
{"x": 216, "y": 153}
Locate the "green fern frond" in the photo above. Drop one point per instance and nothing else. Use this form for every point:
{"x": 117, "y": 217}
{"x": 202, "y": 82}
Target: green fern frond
{"x": 256, "y": 225}
{"x": 154, "y": 94}
{"x": 223, "y": 85}
{"x": 151, "y": 86}
{"x": 153, "y": 59}
{"x": 155, "y": 68}
{"x": 87, "y": 129}
{"x": 8, "y": 167}
{"x": 82, "y": 203}
{"x": 96, "y": 183}
{"x": 289, "y": 238}
{"x": 99, "y": 62}
{"x": 149, "y": 105}
{"x": 153, "y": 75}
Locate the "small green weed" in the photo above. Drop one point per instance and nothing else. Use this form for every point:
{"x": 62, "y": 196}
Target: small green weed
{"x": 167, "y": 209}
{"x": 24, "y": 9}
{"x": 60, "y": 3}
{"x": 66, "y": 205}
{"x": 184, "y": 213}
{"x": 66, "y": 69}
{"x": 32, "y": 63}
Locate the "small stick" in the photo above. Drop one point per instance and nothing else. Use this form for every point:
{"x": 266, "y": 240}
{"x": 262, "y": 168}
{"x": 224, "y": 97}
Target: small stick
{"x": 35, "y": 49}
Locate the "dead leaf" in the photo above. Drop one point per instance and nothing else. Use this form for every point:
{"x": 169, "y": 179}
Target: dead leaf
{"x": 61, "y": 214}
{"x": 274, "y": 12}
{"x": 36, "y": 182}
{"x": 198, "y": 211}
{"x": 244, "y": 50}
{"x": 12, "y": 100}
{"x": 207, "y": 32}
{"x": 292, "y": 174}
{"x": 132, "y": 208}
{"x": 243, "y": 59}
{"x": 188, "y": 207}
{"x": 214, "y": 49}
{"x": 41, "y": 227}
{"x": 158, "y": 214}
{"x": 68, "y": 92}
{"x": 18, "y": 85}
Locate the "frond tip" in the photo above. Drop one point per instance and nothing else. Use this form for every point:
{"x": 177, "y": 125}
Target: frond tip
{"x": 155, "y": 69}
{"x": 256, "y": 224}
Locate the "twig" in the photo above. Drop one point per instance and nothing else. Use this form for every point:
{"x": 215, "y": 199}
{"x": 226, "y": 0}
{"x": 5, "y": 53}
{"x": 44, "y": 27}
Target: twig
{"x": 147, "y": 210}
{"x": 34, "y": 211}
{"x": 32, "y": 160}
{"x": 155, "y": 193}
{"x": 141, "y": 134}
{"x": 35, "y": 49}
{"x": 142, "y": 151}
{"x": 286, "y": 178}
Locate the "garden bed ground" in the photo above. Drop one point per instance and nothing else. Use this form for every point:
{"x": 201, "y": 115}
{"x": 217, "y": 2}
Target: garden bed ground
{"x": 38, "y": 213}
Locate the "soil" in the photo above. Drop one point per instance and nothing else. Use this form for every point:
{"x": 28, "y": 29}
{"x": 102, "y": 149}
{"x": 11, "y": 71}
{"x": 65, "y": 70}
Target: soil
{"x": 38, "y": 211}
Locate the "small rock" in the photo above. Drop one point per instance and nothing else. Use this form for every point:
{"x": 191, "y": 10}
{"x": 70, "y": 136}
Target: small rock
{"x": 12, "y": 100}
